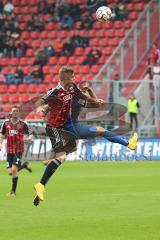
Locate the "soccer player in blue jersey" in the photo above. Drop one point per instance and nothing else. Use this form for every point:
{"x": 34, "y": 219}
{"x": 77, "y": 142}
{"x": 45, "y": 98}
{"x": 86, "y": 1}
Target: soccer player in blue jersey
{"x": 85, "y": 131}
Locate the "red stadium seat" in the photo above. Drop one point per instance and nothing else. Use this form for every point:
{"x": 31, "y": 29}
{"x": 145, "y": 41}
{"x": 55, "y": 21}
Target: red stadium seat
{"x": 36, "y": 44}
{"x": 111, "y": 33}
{"x": 4, "y": 61}
{"x": 24, "y": 97}
{"x": 46, "y": 70}
{"x": 133, "y": 16}
{"x": 76, "y": 69}
{"x": 15, "y": 98}
{"x": 78, "y": 78}
{"x": 26, "y": 70}
{"x": 48, "y": 79}
{"x": 30, "y": 53}
{"x": 95, "y": 69}
{"x": 130, "y": 6}
{"x": 5, "y": 98}
{"x": 79, "y": 51}
{"x": 101, "y": 33}
{"x": 77, "y": 25}
{"x": 22, "y": 88}
{"x": 34, "y": 10}
{"x": 6, "y": 108}
{"x": 94, "y": 42}
{"x": 85, "y": 69}
{"x": 3, "y": 88}
{"x": 80, "y": 59}
{"x": 102, "y": 60}
{"x": 25, "y": 10}
{"x": 35, "y": 35}
{"x": 62, "y": 60}
{"x": 92, "y": 33}
{"x": 55, "y": 69}
{"x": 23, "y": 26}
{"x": 24, "y": 2}
{"x": 72, "y": 60}
{"x": 107, "y": 51}
{"x": 120, "y": 33}
{"x": 42, "y": 88}
{"x": 12, "y": 88}
{"x": 14, "y": 61}
{"x": 63, "y": 33}
{"x": 43, "y": 35}
{"x": 104, "y": 42}
{"x": 17, "y": 10}
{"x": 97, "y": 25}
{"x": 88, "y": 77}
{"x": 117, "y": 24}
{"x": 53, "y": 34}
{"x": 16, "y": 2}
{"x": 127, "y": 24}
{"x": 139, "y": 6}
{"x": 53, "y": 60}
{"x": 114, "y": 42}
{"x": 50, "y": 26}
{"x": 25, "y": 35}
{"x": 32, "y": 60}
{"x": 108, "y": 25}
{"x": 32, "y": 88}
{"x": 6, "y": 70}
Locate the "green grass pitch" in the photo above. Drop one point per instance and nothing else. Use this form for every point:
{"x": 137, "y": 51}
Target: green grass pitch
{"x": 84, "y": 201}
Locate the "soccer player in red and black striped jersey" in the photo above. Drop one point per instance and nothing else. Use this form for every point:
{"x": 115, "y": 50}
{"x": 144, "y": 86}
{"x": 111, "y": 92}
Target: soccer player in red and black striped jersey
{"x": 14, "y": 130}
{"x": 58, "y": 101}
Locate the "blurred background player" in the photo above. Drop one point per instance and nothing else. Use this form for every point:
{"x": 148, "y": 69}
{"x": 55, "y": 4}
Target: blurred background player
{"x": 14, "y": 129}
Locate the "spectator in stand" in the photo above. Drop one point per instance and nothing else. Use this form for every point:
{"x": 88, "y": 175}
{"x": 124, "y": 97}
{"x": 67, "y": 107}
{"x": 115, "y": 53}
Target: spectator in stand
{"x": 122, "y": 11}
{"x": 38, "y": 74}
{"x": 114, "y": 10}
{"x": 10, "y": 48}
{"x": 10, "y": 78}
{"x": 66, "y": 22}
{"x": 156, "y": 53}
{"x": 58, "y": 46}
{"x": 62, "y": 8}
{"x": 87, "y": 21}
{"x": 21, "y": 48}
{"x": 38, "y": 23}
{"x": 68, "y": 48}
{"x": 42, "y": 58}
{"x": 16, "y": 31}
{"x": 75, "y": 11}
{"x": 30, "y": 24}
{"x": 2, "y": 44}
{"x": 8, "y": 8}
{"x": 92, "y": 57}
{"x": 93, "y": 5}
{"x": 43, "y": 6}
{"x": 19, "y": 75}
{"x": 49, "y": 49}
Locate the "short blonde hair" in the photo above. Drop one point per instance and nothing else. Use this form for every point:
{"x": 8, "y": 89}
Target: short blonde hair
{"x": 65, "y": 72}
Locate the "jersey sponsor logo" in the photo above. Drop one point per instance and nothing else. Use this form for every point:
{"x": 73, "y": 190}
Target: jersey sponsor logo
{"x": 67, "y": 97}
{"x": 13, "y": 132}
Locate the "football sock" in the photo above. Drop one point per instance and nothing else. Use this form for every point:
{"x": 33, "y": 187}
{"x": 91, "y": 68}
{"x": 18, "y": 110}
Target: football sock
{"x": 14, "y": 183}
{"x": 113, "y": 137}
{"x": 50, "y": 169}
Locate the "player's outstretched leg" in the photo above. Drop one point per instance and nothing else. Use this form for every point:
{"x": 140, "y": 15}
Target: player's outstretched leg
{"x": 40, "y": 187}
{"x": 25, "y": 165}
{"x": 113, "y": 137}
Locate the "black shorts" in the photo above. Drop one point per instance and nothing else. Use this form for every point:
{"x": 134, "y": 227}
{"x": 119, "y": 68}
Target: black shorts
{"x": 61, "y": 139}
{"x": 14, "y": 159}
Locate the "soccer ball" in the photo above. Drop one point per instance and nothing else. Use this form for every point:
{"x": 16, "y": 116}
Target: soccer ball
{"x": 103, "y": 14}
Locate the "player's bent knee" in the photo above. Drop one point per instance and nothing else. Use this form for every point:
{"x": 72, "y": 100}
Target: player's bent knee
{"x": 61, "y": 156}
{"x": 100, "y": 131}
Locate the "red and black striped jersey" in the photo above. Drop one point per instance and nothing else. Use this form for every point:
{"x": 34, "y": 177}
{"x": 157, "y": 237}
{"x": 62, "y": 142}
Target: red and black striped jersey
{"x": 59, "y": 102}
{"x": 14, "y": 133}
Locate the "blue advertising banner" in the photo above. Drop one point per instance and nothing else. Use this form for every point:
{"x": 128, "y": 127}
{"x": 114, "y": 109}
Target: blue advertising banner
{"x": 100, "y": 149}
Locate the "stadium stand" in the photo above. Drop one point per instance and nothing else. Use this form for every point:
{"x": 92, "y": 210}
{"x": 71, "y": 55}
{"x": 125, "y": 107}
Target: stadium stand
{"x": 45, "y": 32}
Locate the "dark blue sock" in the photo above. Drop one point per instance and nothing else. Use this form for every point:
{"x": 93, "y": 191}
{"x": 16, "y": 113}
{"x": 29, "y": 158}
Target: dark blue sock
{"x": 113, "y": 137}
{"x": 50, "y": 169}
